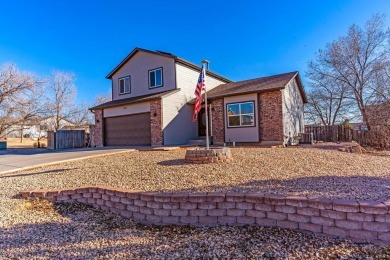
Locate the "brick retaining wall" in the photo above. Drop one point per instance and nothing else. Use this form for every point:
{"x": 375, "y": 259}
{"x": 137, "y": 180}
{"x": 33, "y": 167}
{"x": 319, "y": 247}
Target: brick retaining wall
{"x": 214, "y": 155}
{"x": 361, "y": 221}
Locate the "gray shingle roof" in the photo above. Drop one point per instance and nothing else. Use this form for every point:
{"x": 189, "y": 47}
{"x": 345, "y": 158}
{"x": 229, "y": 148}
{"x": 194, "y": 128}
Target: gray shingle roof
{"x": 263, "y": 84}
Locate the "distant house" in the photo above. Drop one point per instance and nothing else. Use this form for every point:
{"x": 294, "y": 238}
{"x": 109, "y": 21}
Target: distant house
{"x": 23, "y": 130}
{"x": 152, "y": 104}
{"x": 37, "y": 128}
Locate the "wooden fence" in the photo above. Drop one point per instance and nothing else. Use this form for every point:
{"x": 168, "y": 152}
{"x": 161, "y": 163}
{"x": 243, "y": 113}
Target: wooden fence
{"x": 336, "y": 133}
{"x": 63, "y": 139}
{"x": 378, "y": 136}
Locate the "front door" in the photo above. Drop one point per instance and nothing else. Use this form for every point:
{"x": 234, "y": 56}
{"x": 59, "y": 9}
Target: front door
{"x": 202, "y": 122}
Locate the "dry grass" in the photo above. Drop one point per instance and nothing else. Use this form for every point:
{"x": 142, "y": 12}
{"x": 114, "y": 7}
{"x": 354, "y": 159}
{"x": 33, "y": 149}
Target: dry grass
{"x": 26, "y": 143}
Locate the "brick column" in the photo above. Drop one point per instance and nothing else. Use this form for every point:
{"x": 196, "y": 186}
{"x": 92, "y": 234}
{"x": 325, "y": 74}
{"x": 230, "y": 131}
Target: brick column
{"x": 98, "y": 129}
{"x": 156, "y": 122}
{"x": 271, "y": 116}
{"x": 218, "y": 121}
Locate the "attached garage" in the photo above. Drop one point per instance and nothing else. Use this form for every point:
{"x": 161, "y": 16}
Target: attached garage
{"x": 127, "y": 130}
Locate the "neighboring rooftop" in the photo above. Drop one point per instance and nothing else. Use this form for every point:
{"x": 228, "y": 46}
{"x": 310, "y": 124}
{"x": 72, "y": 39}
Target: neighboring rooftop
{"x": 263, "y": 84}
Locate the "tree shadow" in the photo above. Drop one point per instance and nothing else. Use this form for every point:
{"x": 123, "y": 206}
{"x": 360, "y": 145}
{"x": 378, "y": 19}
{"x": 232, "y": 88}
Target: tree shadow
{"x": 352, "y": 187}
{"x": 34, "y": 151}
{"x": 379, "y": 154}
{"x": 88, "y": 233}
{"x": 79, "y": 237}
{"x": 11, "y": 175}
{"x": 175, "y": 162}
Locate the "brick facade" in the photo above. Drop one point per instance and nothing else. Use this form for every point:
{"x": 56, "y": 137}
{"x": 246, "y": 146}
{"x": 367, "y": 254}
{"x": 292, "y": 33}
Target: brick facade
{"x": 270, "y": 120}
{"x": 271, "y": 116}
{"x": 98, "y": 137}
{"x": 156, "y": 122}
{"x": 218, "y": 121}
{"x": 363, "y": 221}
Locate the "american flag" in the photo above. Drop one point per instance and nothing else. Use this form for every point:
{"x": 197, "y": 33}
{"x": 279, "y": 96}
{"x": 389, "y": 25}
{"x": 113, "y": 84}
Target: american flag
{"x": 200, "y": 87}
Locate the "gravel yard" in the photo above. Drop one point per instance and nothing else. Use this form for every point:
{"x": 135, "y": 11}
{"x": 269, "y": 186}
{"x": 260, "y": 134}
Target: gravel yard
{"x": 76, "y": 231}
{"x": 294, "y": 171}
{"x": 70, "y": 231}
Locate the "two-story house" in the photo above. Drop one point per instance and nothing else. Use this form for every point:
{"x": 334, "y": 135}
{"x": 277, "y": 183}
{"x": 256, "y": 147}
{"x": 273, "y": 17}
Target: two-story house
{"x": 153, "y": 101}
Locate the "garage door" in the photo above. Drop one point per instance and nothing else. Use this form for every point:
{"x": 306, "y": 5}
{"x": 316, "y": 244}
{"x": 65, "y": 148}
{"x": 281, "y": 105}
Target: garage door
{"x": 127, "y": 130}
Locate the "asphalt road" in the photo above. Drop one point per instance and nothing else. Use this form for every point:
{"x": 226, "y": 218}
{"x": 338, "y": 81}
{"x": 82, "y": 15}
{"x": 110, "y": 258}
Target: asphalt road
{"x": 19, "y": 159}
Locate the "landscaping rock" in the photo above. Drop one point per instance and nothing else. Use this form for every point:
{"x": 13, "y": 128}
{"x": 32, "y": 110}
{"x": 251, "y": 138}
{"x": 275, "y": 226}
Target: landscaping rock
{"x": 64, "y": 231}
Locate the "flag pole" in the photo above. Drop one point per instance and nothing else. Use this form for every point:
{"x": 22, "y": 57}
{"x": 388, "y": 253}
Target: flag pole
{"x": 206, "y": 62}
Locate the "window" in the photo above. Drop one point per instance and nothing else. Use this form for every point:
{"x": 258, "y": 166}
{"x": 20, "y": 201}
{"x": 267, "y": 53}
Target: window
{"x": 241, "y": 114}
{"x": 124, "y": 85}
{"x": 155, "y": 78}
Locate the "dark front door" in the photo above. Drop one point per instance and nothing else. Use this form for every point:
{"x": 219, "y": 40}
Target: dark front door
{"x": 202, "y": 123}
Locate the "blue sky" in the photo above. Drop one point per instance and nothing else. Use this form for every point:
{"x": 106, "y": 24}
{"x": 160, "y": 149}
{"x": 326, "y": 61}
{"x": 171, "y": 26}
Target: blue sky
{"x": 242, "y": 39}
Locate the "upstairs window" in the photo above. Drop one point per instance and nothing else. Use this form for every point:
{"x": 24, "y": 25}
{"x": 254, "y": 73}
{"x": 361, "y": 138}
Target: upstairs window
{"x": 155, "y": 78}
{"x": 124, "y": 85}
{"x": 241, "y": 114}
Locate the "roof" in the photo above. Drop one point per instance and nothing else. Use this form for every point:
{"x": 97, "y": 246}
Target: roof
{"x": 138, "y": 99}
{"x": 167, "y": 55}
{"x": 263, "y": 84}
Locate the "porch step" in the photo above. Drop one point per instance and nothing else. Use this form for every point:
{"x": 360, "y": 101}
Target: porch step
{"x": 199, "y": 141}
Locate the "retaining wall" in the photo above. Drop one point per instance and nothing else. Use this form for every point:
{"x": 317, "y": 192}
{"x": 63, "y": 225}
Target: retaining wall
{"x": 361, "y": 221}
{"x": 214, "y": 155}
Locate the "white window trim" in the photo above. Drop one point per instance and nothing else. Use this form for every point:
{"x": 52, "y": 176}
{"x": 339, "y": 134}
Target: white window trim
{"x": 155, "y": 78}
{"x": 240, "y": 115}
{"x": 124, "y": 85}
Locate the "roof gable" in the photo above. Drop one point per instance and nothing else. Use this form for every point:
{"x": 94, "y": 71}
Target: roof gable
{"x": 131, "y": 55}
{"x": 166, "y": 55}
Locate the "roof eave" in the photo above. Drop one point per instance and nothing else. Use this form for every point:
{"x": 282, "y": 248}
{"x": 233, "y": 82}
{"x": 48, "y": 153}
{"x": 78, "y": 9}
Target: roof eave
{"x": 163, "y": 94}
{"x": 301, "y": 88}
{"x": 244, "y": 93}
{"x": 237, "y": 94}
{"x": 196, "y": 67}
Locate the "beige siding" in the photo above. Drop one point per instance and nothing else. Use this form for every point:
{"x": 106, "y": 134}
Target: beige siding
{"x": 292, "y": 111}
{"x": 127, "y": 109}
{"x": 242, "y": 134}
{"x": 137, "y": 68}
{"x": 177, "y": 115}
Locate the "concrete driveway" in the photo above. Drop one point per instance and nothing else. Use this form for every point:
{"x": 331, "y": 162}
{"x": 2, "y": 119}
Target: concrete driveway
{"x": 19, "y": 159}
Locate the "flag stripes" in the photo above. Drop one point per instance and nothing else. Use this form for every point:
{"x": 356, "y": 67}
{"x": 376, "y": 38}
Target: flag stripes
{"x": 200, "y": 88}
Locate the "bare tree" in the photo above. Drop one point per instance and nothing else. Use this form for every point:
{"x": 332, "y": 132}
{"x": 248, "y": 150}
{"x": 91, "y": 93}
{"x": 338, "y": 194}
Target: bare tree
{"x": 355, "y": 60}
{"x": 382, "y": 85}
{"x": 102, "y": 98}
{"x": 328, "y": 102}
{"x": 61, "y": 94}
{"x": 84, "y": 116}
{"x": 18, "y": 98}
